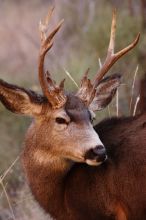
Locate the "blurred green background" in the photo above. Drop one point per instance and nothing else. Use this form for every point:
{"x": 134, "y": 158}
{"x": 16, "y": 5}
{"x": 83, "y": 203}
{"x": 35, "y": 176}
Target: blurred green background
{"x": 80, "y": 44}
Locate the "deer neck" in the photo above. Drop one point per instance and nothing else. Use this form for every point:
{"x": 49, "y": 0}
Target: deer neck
{"x": 46, "y": 176}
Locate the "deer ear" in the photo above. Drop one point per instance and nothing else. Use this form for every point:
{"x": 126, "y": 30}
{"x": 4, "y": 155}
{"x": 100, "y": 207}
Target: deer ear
{"x": 20, "y": 100}
{"x": 105, "y": 91}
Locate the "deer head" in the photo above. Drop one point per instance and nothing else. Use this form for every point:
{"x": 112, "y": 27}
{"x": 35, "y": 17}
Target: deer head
{"x": 63, "y": 121}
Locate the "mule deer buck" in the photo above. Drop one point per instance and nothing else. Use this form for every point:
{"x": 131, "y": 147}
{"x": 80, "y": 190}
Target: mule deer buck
{"x": 62, "y": 148}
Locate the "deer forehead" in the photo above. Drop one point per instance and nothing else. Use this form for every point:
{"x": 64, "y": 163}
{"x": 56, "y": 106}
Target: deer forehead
{"x": 74, "y": 110}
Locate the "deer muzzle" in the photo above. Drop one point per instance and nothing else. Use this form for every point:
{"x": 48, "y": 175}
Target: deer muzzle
{"x": 96, "y": 156}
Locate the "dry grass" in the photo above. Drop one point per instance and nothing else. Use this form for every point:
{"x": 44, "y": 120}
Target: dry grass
{"x": 21, "y": 206}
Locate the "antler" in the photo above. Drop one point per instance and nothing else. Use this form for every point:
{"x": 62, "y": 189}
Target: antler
{"x": 111, "y": 56}
{"x": 109, "y": 62}
{"x": 54, "y": 93}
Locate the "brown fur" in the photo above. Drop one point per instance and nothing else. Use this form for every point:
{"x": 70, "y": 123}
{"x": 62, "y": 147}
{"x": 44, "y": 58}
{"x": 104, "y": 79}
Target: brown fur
{"x": 77, "y": 191}
{"x": 55, "y": 166}
{"x": 142, "y": 103}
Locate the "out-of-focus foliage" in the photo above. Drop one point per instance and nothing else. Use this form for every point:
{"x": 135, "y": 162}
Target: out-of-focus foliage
{"x": 80, "y": 44}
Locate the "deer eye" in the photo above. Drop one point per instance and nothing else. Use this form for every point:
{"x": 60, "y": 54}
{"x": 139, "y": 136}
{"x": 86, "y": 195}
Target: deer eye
{"x": 60, "y": 120}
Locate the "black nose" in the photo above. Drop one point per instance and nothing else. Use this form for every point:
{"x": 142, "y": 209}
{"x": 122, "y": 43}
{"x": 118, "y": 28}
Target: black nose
{"x": 98, "y": 153}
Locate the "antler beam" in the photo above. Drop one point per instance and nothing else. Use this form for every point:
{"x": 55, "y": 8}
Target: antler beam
{"x": 54, "y": 93}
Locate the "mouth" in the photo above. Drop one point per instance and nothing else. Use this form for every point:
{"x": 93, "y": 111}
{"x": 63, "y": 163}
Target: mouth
{"x": 95, "y": 162}
{"x": 92, "y": 160}
{"x": 96, "y": 156}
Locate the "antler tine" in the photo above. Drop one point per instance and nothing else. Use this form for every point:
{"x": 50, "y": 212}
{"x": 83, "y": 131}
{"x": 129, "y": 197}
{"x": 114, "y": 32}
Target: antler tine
{"x": 54, "y": 93}
{"x": 44, "y": 26}
{"x": 112, "y": 35}
{"x": 111, "y": 56}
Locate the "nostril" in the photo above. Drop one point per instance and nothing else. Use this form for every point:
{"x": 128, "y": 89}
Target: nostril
{"x": 99, "y": 146}
{"x": 99, "y": 150}
{"x": 98, "y": 153}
